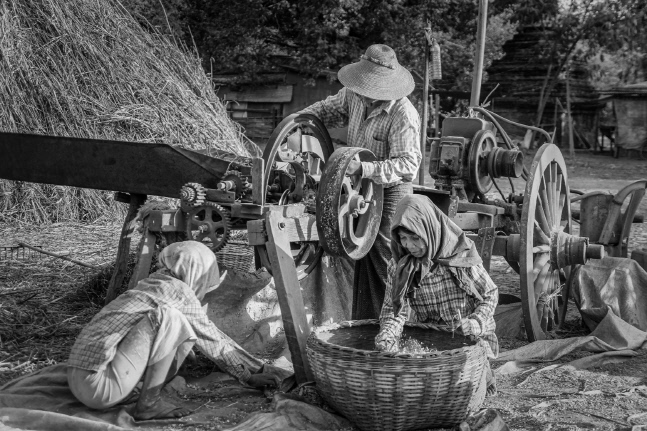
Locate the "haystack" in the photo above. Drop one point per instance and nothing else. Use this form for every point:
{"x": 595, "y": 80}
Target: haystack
{"x": 86, "y": 68}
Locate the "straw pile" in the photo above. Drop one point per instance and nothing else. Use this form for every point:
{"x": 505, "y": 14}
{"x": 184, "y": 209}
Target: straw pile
{"x": 45, "y": 302}
{"x": 87, "y": 69}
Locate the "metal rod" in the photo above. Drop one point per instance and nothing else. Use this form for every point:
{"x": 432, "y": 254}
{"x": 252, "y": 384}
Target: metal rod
{"x": 479, "y": 54}
{"x": 22, "y": 244}
{"x": 425, "y": 109}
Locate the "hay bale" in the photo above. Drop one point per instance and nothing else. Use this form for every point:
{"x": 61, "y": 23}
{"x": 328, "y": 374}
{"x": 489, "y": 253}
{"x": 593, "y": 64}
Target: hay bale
{"x": 84, "y": 68}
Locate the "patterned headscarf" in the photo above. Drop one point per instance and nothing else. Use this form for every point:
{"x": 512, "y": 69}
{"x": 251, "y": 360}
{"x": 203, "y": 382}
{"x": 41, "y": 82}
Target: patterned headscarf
{"x": 446, "y": 245}
{"x": 193, "y": 263}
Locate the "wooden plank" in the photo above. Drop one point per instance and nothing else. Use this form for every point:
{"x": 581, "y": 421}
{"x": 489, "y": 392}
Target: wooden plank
{"x": 297, "y": 229}
{"x": 288, "y": 289}
{"x": 292, "y": 210}
{"x": 484, "y": 244}
{"x": 258, "y": 177}
{"x": 144, "y": 258}
{"x": 243, "y": 209}
{"x": 123, "y": 249}
{"x": 479, "y": 208}
{"x": 475, "y": 221}
{"x": 219, "y": 196}
{"x": 166, "y": 221}
{"x": 256, "y": 234}
{"x": 278, "y": 94}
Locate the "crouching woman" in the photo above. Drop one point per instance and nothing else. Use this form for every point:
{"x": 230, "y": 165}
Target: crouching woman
{"x": 148, "y": 331}
{"x": 437, "y": 273}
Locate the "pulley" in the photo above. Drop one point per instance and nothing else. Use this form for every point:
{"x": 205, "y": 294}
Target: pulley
{"x": 349, "y": 209}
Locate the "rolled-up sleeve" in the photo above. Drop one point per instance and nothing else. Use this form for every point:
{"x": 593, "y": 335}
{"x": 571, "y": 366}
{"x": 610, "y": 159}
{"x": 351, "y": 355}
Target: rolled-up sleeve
{"x": 404, "y": 151}
{"x": 389, "y": 323}
{"x": 482, "y": 319}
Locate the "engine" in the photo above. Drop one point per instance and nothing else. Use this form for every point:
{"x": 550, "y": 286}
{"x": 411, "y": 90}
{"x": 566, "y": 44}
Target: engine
{"x": 466, "y": 159}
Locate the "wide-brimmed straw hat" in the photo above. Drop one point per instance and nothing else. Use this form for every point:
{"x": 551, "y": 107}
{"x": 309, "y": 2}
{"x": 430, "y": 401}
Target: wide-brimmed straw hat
{"x": 377, "y": 75}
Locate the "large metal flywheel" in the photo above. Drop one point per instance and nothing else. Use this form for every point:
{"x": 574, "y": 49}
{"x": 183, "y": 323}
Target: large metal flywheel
{"x": 349, "y": 209}
{"x": 295, "y": 156}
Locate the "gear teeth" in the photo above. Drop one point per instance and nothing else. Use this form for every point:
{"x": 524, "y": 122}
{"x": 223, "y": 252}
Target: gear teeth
{"x": 193, "y": 194}
{"x": 225, "y": 215}
{"x": 237, "y": 178}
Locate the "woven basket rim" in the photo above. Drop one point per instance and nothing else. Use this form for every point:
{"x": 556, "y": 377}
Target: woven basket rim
{"x": 373, "y": 353}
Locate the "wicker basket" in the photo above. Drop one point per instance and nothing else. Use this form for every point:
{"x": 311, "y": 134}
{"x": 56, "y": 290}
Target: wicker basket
{"x": 237, "y": 254}
{"x": 395, "y": 391}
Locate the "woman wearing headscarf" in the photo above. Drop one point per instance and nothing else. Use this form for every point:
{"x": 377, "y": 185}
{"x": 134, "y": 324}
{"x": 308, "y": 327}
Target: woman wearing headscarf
{"x": 437, "y": 273}
{"x": 148, "y": 332}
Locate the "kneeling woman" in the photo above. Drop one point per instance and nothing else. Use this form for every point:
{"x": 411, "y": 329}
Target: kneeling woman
{"x": 437, "y": 273}
{"x": 148, "y": 332}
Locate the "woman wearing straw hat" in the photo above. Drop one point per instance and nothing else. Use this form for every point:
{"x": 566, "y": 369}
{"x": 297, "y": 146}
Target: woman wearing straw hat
{"x": 374, "y": 107}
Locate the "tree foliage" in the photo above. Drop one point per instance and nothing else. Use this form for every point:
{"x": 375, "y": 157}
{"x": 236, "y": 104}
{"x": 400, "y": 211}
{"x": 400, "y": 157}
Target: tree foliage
{"x": 247, "y": 37}
{"x": 584, "y": 29}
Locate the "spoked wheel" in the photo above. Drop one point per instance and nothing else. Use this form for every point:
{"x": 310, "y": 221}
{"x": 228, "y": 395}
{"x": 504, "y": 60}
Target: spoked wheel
{"x": 545, "y": 241}
{"x": 300, "y": 138}
{"x": 349, "y": 209}
{"x": 295, "y": 156}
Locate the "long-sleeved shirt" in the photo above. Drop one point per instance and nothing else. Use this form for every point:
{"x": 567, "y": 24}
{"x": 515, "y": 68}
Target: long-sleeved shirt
{"x": 445, "y": 297}
{"x": 97, "y": 343}
{"x": 391, "y": 131}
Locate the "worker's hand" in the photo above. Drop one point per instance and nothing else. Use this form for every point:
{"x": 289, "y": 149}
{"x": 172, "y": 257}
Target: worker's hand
{"x": 465, "y": 325}
{"x": 354, "y": 168}
{"x": 385, "y": 342}
{"x": 263, "y": 380}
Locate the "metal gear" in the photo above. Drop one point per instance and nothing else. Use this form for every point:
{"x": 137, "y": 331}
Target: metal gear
{"x": 192, "y": 194}
{"x": 211, "y": 222}
{"x": 241, "y": 183}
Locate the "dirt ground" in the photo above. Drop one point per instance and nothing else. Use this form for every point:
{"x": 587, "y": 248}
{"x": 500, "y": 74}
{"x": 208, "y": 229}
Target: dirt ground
{"x": 44, "y": 302}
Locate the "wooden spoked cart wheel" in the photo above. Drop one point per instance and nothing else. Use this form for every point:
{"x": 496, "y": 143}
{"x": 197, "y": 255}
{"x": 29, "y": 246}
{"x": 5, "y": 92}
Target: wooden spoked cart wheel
{"x": 295, "y": 156}
{"x": 547, "y": 248}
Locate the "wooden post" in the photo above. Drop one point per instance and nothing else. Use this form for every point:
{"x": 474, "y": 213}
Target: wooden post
{"x": 425, "y": 109}
{"x": 437, "y": 116}
{"x": 288, "y": 289}
{"x": 135, "y": 201}
{"x": 144, "y": 257}
{"x": 555, "y": 121}
{"x": 258, "y": 181}
{"x": 479, "y": 54}
{"x": 569, "y": 117}
{"x": 596, "y": 125}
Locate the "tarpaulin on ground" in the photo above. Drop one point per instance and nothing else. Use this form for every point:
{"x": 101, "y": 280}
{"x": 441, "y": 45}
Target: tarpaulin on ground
{"x": 42, "y": 401}
{"x": 508, "y": 316}
{"x": 290, "y": 414}
{"x": 614, "y": 282}
{"x": 613, "y": 338}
